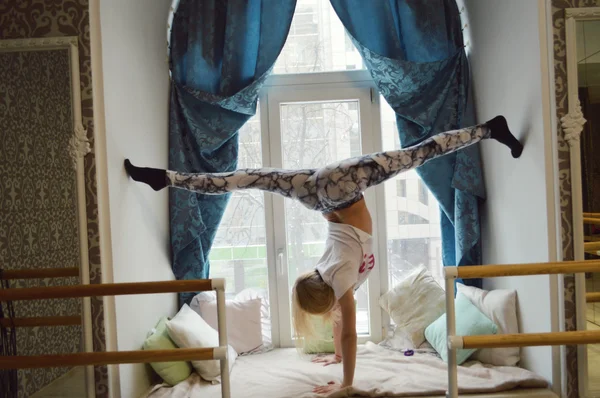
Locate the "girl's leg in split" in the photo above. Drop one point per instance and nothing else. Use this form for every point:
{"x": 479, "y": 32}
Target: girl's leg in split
{"x": 291, "y": 184}
{"x": 336, "y": 185}
{"x": 288, "y": 183}
{"x": 342, "y": 183}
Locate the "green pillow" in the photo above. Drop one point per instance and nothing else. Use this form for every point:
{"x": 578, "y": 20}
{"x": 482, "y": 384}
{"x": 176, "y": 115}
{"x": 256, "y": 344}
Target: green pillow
{"x": 158, "y": 339}
{"x": 469, "y": 322}
{"x": 322, "y": 341}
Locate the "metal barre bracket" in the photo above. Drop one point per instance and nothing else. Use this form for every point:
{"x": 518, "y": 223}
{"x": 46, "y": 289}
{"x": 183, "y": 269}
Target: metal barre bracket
{"x": 455, "y": 342}
{"x": 218, "y": 284}
{"x": 451, "y": 272}
{"x": 220, "y": 353}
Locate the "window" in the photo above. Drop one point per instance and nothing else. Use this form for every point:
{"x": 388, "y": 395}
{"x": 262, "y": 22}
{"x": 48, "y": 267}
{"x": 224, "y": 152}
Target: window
{"x": 405, "y": 217}
{"x": 310, "y": 128}
{"x": 349, "y": 45}
{"x": 412, "y": 215}
{"x": 317, "y": 42}
{"x": 239, "y": 250}
{"x": 401, "y": 188}
{"x": 310, "y": 119}
{"x": 423, "y": 193}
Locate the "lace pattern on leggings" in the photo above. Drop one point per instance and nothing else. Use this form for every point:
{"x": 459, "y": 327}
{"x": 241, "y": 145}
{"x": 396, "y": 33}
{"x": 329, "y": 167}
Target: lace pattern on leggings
{"x": 336, "y": 185}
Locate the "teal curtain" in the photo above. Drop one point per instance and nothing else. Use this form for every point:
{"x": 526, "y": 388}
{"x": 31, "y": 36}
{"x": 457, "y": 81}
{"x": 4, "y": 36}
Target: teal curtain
{"x": 221, "y": 52}
{"x": 415, "y": 54}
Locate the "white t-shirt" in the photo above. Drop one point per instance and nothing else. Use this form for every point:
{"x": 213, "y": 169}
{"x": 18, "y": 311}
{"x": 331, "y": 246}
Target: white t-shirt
{"x": 348, "y": 258}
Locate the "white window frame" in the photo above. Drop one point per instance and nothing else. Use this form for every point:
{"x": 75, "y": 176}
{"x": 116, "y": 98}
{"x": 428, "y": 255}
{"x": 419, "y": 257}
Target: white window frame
{"x": 327, "y": 86}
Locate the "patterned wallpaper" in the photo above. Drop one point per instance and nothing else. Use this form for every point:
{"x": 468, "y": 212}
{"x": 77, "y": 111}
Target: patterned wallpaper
{"x": 560, "y": 72}
{"x": 50, "y": 18}
{"x": 38, "y": 208}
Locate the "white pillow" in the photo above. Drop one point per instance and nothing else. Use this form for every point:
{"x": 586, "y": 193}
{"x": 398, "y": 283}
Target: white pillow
{"x": 265, "y": 316}
{"x": 501, "y": 307}
{"x": 413, "y": 304}
{"x": 188, "y": 330}
{"x": 244, "y": 295}
{"x": 244, "y": 329}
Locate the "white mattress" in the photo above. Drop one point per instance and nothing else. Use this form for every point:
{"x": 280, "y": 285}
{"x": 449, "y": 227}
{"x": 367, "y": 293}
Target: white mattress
{"x": 282, "y": 373}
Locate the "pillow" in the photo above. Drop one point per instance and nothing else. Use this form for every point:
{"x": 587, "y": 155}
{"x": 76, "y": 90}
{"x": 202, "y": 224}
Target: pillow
{"x": 158, "y": 339}
{"x": 469, "y": 322}
{"x": 245, "y": 295}
{"x": 415, "y": 302}
{"x": 501, "y": 307}
{"x": 265, "y": 316}
{"x": 322, "y": 341}
{"x": 188, "y": 330}
{"x": 244, "y": 329}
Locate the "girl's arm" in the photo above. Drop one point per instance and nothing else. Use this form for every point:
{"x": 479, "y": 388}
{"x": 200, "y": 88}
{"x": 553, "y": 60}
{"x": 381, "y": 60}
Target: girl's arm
{"x": 337, "y": 339}
{"x": 348, "y": 339}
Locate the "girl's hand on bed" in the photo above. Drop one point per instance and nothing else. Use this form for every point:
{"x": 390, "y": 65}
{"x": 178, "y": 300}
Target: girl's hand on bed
{"x": 329, "y": 388}
{"x": 327, "y": 359}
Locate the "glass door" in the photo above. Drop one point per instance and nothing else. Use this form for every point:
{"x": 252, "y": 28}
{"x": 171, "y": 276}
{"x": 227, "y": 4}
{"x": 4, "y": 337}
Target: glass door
{"x": 310, "y": 129}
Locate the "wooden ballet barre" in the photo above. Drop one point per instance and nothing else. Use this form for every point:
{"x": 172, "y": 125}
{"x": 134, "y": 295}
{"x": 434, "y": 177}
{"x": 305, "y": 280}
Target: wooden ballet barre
{"x": 41, "y": 321}
{"x": 108, "y": 289}
{"x": 592, "y": 215}
{"x": 590, "y": 220}
{"x": 39, "y": 273}
{"x": 525, "y": 339}
{"x": 122, "y": 357}
{"x": 110, "y": 358}
{"x": 592, "y": 297}
{"x": 491, "y": 271}
{"x": 455, "y": 342}
{"x": 591, "y": 246}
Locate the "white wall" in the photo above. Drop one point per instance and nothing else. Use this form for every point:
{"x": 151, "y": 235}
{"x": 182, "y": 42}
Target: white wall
{"x": 135, "y": 83}
{"x": 510, "y": 77}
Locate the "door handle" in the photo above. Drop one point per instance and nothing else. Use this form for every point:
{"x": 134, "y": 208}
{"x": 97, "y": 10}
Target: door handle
{"x": 280, "y": 261}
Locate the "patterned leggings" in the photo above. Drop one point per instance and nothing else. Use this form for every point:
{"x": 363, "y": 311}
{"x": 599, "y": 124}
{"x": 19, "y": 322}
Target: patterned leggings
{"x": 334, "y": 186}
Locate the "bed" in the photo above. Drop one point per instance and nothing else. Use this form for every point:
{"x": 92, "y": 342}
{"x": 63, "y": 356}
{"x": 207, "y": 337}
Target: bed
{"x": 380, "y": 372}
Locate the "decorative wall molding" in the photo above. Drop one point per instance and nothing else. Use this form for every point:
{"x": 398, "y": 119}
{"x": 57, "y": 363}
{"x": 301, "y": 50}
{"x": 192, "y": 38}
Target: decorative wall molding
{"x": 583, "y": 13}
{"x": 572, "y": 124}
{"x": 35, "y": 43}
{"x": 79, "y": 144}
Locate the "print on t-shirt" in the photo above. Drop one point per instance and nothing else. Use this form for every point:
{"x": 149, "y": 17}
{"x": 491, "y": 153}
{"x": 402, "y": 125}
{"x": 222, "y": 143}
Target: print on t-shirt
{"x": 348, "y": 258}
{"x": 367, "y": 264}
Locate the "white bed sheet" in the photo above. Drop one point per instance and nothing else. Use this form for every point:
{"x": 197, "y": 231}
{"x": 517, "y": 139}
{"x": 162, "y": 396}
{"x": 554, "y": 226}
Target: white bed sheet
{"x": 380, "y": 372}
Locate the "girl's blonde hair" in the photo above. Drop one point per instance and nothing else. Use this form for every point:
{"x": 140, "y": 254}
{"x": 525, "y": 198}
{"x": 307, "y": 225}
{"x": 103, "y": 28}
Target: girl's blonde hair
{"x": 311, "y": 296}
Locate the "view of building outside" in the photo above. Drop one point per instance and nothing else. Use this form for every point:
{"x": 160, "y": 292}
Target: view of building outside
{"x": 412, "y": 214}
{"x": 317, "y": 42}
{"x": 239, "y": 252}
